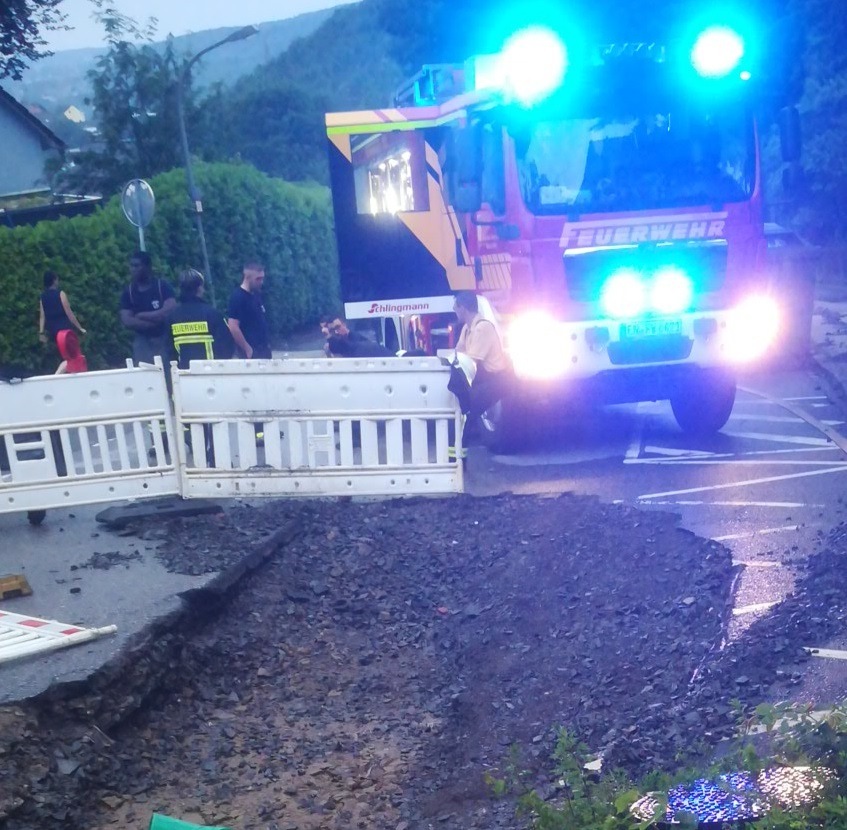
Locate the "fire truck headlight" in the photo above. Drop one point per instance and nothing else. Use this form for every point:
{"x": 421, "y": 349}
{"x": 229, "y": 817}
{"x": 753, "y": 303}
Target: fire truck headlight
{"x": 537, "y": 347}
{"x": 533, "y": 63}
{"x": 623, "y": 294}
{"x": 671, "y": 291}
{"x": 717, "y": 51}
{"x": 752, "y": 328}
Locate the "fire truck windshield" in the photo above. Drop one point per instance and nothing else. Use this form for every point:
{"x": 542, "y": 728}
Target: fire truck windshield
{"x": 636, "y": 162}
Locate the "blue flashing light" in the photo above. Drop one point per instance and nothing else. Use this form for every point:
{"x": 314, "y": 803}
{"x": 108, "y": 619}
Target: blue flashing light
{"x": 533, "y": 63}
{"x": 624, "y": 294}
{"x": 671, "y": 291}
{"x": 717, "y": 51}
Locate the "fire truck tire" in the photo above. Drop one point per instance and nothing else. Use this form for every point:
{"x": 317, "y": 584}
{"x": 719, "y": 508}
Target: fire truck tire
{"x": 702, "y": 406}
{"x": 36, "y": 517}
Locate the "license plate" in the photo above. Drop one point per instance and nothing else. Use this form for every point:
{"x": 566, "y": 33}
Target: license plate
{"x": 650, "y": 328}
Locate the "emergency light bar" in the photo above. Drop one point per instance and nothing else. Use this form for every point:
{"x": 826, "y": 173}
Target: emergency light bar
{"x": 717, "y": 51}
{"x": 530, "y": 67}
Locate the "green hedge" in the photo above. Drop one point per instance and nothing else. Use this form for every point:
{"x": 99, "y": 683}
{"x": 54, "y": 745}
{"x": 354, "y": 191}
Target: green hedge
{"x": 247, "y": 215}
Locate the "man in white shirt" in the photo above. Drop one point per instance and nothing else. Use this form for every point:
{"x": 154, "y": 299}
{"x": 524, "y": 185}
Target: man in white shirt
{"x": 480, "y": 341}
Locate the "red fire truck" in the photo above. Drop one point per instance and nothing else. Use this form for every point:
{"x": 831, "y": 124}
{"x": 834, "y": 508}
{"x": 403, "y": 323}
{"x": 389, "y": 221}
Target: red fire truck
{"x": 606, "y": 201}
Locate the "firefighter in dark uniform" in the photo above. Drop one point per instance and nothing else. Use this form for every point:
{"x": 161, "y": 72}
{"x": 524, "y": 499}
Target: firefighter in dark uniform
{"x": 198, "y": 330}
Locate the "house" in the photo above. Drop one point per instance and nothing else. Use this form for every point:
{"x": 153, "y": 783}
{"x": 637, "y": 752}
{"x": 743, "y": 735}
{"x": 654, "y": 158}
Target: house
{"x": 26, "y": 145}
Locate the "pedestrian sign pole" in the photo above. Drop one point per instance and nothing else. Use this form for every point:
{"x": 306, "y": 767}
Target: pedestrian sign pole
{"x": 139, "y": 205}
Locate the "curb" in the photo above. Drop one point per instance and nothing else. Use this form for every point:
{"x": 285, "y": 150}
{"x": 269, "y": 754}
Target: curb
{"x": 80, "y": 713}
{"x": 160, "y": 641}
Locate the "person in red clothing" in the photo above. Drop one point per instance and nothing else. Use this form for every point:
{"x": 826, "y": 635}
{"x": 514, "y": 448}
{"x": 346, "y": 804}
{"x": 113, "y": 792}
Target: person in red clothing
{"x": 73, "y": 360}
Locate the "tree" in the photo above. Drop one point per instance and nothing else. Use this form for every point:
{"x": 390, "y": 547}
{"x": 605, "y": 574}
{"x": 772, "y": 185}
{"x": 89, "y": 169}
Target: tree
{"x": 133, "y": 96}
{"x": 138, "y": 129}
{"x": 21, "y": 25}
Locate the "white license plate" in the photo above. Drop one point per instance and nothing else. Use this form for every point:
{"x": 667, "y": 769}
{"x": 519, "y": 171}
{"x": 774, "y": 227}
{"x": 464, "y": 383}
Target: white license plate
{"x": 650, "y": 328}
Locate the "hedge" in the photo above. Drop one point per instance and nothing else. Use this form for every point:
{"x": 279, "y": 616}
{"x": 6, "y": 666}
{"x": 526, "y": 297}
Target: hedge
{"x": 246, "y": 215}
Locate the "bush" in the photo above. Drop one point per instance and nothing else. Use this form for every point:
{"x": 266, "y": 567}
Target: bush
{"x": 247, "y": 215}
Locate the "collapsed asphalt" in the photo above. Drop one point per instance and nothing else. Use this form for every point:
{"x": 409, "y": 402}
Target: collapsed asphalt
{"x": 389, "y": 654}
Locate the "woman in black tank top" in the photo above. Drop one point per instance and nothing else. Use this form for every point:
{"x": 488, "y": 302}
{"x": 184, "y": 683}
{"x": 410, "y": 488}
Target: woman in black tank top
{"x": 55, "y": 310}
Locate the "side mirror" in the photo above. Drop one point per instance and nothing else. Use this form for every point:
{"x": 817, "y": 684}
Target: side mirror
{"x": 789, "y": 134}
{"x": 467, "y": 173}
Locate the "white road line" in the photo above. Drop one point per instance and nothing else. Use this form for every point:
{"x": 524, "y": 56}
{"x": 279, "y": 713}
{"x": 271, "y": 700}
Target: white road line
{"x": 831, "y": 653}
{"x": 778, "y": 419}
{"x": 692, "y": 454}
{"x": 752, "y": 609}
{"x": 781, "y": 504}
{"x": 785, "y": 439}
{"x": 749, "y": 482}
{"x": 800, "y": 398}
{"x": 763, "y": 532}
{"x": 836, "y": 437}
{"x": 730, "y": 462}
{"x": 755, "y": 563}
{"x": 827, "y": 448}
{"x": 673, "y": 451}
{"x": 757, "y": 401}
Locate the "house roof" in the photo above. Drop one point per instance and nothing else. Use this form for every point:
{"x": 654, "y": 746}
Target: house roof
{"x": 20, "y": 111}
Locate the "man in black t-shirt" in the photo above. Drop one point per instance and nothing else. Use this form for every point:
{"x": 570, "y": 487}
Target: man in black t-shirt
{"x": 146, "y": 304}
{"x": 246, "y": 313}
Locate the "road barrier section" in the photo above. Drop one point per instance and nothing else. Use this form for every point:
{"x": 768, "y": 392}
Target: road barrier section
{"x": 316, "y": 427}
{"x": 239, "y": 428}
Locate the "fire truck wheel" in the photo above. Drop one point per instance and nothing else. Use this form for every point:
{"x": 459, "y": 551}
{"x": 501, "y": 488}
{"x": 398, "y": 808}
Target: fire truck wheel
{"x": 36, "y": 517}
{"x": 702, "y": 406}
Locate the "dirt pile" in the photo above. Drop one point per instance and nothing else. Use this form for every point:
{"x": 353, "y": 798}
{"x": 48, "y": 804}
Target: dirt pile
{"x": 374, "y": 670}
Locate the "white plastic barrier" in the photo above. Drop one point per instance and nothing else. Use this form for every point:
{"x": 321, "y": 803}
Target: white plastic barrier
{"x": 85, "y": 438}
{"x": 316, "y": 427}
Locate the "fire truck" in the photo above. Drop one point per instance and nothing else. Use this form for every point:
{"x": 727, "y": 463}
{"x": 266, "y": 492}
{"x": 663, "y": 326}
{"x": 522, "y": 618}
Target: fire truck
{"x": 604, "y": 200}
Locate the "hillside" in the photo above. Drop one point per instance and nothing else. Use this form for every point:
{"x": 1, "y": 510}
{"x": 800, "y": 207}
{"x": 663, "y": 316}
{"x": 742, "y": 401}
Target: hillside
{"x": 60, "y": 80}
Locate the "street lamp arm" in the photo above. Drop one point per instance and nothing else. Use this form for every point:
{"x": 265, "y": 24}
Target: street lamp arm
{"x": 239, "y": 34}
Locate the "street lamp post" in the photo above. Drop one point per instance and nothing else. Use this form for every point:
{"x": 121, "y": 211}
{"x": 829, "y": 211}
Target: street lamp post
{"x": 193, "y": 193}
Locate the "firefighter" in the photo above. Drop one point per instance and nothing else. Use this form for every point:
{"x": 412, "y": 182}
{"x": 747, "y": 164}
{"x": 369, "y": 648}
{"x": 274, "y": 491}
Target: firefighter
{"x": 480, "y": 342}
{"x": 198, "y": 330}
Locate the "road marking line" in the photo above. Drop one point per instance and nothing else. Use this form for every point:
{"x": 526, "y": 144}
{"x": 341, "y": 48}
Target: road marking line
{"x": 755, "y": 563}
{"x": 694, "y": 455}
{"x": 784, "y": 504}
{"x": 749, "y": 482}
{"x": 729, "y": 462}
{"x": 758, "y": 401}
{"x": 753, "y": 609}
{"x": 763, "y": 532}
{"x": 830, "y": 433}
{"x": 786, "y": 439}
{"x": 800, "y": 398}
{"x": 831, "y": 653}
{"x": 673, "y": 451}
{"x": 828, "y": 448}
{"x": 778, "y": 419}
